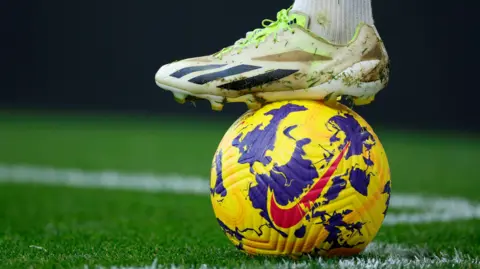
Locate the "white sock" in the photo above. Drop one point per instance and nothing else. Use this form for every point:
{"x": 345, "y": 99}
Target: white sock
{"x": 335, "y": 20}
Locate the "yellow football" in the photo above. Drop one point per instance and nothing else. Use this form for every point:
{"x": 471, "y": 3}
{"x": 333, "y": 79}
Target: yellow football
{"x": 300, "y": 177}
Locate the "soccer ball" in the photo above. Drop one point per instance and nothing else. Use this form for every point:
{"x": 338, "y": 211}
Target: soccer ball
{"x": 300, "y": 177}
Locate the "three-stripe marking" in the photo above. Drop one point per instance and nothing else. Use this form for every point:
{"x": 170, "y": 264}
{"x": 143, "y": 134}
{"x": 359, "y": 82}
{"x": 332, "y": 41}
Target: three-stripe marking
{"x": 239, "y": 69}
{"x": 188, "y": 70}
{"x": 241, "y": 84}
{"x": 258, "y": 80}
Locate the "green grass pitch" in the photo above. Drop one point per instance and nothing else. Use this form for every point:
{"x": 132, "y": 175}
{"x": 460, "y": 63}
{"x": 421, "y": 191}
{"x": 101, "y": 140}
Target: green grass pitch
{"x": 49, "y": 226}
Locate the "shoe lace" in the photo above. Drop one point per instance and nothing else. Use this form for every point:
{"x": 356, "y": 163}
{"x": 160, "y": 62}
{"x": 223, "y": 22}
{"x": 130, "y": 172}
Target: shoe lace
{"x": 257, "y": 36}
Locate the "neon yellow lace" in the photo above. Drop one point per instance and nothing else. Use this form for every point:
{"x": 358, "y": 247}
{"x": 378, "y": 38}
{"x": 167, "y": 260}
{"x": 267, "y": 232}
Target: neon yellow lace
{"x": 259, "y": 35}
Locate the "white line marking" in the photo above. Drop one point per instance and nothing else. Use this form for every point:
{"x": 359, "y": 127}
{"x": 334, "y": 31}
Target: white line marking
{"x": 38, "y": 247}
{"x": 105, "y": 179}
{"x": 386, "y": 256}
{"x": 443, "y": 260}
{"x": 397, "y": 250}
{"x": 433, "y": 209}
{"x": 430, "y": 209}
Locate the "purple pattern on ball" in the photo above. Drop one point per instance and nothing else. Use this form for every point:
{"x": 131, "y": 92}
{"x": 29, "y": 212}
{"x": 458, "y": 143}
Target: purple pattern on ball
{"x": 287, "y": 181}
{"x": 219, "y": 188}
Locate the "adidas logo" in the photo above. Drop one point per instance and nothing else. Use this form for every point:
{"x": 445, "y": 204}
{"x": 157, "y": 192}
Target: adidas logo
{"x": 237, "y": 85}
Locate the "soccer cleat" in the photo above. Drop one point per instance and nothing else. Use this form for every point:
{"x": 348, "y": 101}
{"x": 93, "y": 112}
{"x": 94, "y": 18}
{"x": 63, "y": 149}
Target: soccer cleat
{"x": 283, "y": 61}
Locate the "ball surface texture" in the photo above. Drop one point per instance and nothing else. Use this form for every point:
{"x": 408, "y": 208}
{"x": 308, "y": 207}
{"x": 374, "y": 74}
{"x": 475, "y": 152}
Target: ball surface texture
{"x": 300, "y": 177}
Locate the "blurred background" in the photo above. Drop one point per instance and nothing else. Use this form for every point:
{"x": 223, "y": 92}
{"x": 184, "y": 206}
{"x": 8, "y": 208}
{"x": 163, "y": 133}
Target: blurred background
{"x": 101, "y": 56}
{"x": 78, "y": 97}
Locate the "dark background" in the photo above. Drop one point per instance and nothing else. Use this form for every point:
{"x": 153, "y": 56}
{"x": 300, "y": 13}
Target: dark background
{"x": 101, "y": 56}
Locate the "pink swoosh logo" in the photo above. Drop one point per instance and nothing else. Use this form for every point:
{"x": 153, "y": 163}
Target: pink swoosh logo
{"x": 286, "y": 218}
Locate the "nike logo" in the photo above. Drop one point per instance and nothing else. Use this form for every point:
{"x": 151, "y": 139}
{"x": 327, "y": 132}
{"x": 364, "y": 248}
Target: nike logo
{"x": 289, "y": 217}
